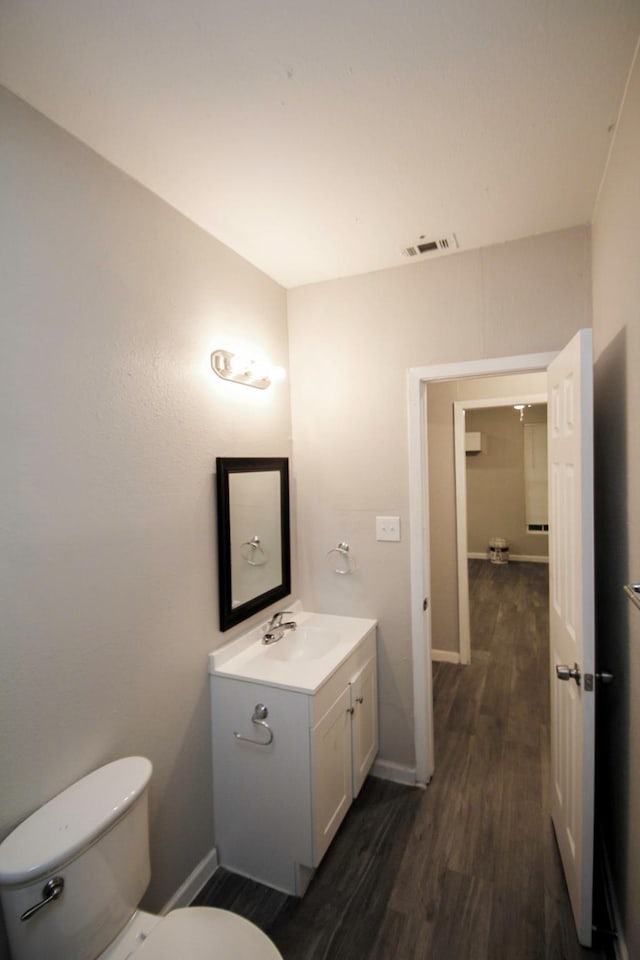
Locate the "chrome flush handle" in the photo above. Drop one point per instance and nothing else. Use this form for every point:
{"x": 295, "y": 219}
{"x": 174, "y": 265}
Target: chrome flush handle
{"x": 51, "y": 891}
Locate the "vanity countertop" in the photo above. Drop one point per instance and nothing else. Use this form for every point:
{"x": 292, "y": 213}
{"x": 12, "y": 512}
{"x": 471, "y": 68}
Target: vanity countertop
{"x": 302, "y": 660}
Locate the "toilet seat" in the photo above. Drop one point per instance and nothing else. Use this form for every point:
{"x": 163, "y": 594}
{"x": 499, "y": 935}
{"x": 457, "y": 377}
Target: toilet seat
{"x": 206, "y": 933}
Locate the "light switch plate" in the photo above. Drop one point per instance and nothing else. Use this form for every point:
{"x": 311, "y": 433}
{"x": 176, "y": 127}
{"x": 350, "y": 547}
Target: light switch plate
{"x": 387, "y": 528}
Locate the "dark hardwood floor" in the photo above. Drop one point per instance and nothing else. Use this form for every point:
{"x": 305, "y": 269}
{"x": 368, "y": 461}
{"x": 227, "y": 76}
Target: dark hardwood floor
{"x": 467, "y": 869}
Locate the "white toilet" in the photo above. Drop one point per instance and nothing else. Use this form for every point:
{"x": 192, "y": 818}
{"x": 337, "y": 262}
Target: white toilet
{"x": 82, "y": 860}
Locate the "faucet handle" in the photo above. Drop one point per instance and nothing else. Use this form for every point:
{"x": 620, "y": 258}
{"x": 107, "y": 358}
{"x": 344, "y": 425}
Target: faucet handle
{"x": 276, "y": 619}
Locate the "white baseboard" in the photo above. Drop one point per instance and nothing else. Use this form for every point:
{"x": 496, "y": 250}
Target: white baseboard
{"x": 397, "y": 772}
{"x": 513, "y": 557}
{"x": 445, "y": 656}
{"x": 194, "y": 883}
{"x": 525, "y": 558}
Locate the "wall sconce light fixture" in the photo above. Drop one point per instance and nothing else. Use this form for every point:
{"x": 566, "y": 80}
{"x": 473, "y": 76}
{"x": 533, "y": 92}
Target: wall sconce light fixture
{"x": 239, "y": 369}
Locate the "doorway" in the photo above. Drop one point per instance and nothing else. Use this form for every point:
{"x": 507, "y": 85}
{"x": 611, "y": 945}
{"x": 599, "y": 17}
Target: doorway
{"x": 421, "y": 560}
{"x": 499, "y": 463}
{"x": 571, "y": 610}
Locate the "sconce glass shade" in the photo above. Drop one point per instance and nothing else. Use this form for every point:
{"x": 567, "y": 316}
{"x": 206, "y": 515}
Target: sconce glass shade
{"x": 231, "y": 366}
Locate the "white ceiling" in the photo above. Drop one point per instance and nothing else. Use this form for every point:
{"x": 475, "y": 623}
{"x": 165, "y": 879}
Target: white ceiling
{"x": 320, "y": 138}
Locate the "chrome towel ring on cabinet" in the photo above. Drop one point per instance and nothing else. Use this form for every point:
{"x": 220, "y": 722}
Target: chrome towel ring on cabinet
{"x": 260, "y": 714}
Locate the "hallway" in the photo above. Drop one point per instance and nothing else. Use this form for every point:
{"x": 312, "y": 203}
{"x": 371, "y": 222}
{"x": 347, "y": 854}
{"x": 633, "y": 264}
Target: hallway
{"x": 467, "y": 868}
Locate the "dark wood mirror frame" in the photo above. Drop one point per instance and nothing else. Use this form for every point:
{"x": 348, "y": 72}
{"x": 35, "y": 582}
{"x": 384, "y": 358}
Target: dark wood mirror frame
{"x": 225, "y": 467}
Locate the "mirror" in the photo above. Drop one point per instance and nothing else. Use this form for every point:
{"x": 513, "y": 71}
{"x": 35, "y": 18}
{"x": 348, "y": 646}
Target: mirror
{"x": 254, "y": 559}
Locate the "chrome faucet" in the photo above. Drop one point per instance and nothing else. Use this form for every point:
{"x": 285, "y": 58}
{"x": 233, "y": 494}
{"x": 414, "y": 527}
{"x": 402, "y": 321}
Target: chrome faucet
{"x": 276, "y": 627}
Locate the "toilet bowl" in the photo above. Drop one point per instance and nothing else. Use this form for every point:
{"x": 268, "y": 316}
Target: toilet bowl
{"x": 73, "y": 873}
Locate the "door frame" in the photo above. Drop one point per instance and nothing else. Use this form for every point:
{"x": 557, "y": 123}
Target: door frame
{"x": 459, "y": 409}
{"x": 419, "y": 529}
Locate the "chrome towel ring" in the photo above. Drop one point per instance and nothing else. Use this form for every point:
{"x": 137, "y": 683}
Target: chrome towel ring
{"x": 341, "y": 560}
{"x": 260, "y": 714}
{"x": 253, "y": 552}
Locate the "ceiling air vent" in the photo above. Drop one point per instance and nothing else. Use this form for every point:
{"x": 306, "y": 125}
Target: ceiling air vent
{"x": 424, "y": 246}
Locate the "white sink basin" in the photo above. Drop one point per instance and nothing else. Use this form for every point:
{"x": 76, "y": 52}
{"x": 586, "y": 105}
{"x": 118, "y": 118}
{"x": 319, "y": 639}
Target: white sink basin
{"x": 305, "y": 643}
{"x": 302, "y": 660}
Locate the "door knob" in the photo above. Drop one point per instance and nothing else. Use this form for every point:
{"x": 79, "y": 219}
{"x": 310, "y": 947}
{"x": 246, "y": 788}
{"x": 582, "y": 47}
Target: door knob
{"x": 563, "y": 672}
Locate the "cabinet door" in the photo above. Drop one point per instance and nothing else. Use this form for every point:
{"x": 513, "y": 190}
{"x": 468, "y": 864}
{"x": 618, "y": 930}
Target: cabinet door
{"x": 364, "y": 719}
{"x": 331, "y": 773}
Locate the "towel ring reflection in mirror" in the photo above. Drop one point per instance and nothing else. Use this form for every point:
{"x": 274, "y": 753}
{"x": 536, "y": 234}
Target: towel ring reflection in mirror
{"x": 253, "y": 552}
{"x": 340, "y": 559}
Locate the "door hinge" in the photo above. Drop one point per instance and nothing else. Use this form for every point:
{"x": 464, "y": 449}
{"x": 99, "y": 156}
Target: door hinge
{"x": 425, "y": 603}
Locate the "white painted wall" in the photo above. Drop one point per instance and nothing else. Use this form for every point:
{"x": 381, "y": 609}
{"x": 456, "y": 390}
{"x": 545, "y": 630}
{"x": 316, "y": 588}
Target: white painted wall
{"x": 111, "y": 419}
{"x": 496, "y": 501}
{"x": 351, "y": 343}
{"x": 616, "y": 327}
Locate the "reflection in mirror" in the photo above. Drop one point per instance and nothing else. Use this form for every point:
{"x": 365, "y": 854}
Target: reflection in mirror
{"x": 253, "y": 535}
{"x": 254, "y": 509}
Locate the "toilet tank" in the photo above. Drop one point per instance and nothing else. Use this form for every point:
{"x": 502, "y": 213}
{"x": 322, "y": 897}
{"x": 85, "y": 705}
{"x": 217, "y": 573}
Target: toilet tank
{"x": 94, "y": 835}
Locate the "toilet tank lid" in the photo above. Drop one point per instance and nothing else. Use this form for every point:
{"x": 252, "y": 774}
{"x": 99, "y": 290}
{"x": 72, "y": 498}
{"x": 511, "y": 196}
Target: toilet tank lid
{"x": 59, "y": 830}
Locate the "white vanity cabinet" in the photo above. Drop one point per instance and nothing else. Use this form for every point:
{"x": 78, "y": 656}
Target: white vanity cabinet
{"x": 278, "y": 804}
{"x": 344, "y": 743}
{"x": 364, "y": 721}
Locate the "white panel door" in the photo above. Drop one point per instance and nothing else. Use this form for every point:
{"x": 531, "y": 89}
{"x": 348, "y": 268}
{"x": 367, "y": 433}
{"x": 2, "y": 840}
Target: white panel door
{"x": 571, "y": 586}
